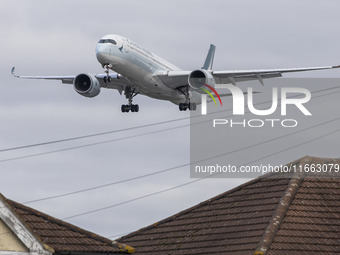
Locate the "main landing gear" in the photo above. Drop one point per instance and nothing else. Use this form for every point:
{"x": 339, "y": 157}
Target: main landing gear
{"x": 187, "y": 104}
{"x": 130, "y": 94}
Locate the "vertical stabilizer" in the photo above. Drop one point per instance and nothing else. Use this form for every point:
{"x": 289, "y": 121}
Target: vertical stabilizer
{"x": 210, "y": 58}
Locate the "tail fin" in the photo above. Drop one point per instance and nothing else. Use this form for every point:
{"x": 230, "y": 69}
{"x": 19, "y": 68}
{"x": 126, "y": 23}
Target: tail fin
{"x": 210, "y": 58}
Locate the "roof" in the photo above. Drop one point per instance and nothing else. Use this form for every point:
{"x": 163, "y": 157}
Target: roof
{"x": 295, "y": 213}
{"x": 60, "y": 237}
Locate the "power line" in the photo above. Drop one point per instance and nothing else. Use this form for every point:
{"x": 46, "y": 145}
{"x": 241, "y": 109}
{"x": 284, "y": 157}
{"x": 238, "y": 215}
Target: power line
{"x": 188, "y": 183}
{"x": 131, "y": 128}
{"x": 197, "y": 180}
{"x": 91, "y": 144}
{"x": 292, "y": 147}
{"x": 180, "y": 166}
{"x": 169, "y": 169}
{"x": 91, "y": 135}
{"x": 138, "y": 135}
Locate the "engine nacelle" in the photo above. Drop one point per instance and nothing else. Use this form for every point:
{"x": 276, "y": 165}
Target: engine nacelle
{"x": 198, "y": 78}
{"x": 86, "y": 85}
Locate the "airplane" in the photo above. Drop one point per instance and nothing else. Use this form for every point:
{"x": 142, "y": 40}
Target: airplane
{"x": 138, "y": 71}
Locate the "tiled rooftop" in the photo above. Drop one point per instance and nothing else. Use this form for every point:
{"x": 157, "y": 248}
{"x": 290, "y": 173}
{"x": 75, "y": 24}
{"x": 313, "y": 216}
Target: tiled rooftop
{"x": 298, "y": 214}
{"x": 63, "y": 237}
{"x": 312, "y": 222}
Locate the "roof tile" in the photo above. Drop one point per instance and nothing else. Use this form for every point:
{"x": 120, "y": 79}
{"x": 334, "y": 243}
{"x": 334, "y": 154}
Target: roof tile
{"x": 61, "y": 236}
{"x": 298, "y": 214}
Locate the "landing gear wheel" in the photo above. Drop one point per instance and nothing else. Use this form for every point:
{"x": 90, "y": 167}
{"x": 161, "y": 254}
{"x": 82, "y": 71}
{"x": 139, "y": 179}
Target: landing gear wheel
{"x": 183, "y": 106}
{"x": 132, "y": 107}
{"x": 192, "y": 107}
{"x": 130, "y": 94}
{"x": 107, "y": 78}
{"x": 125, "y": 108}
{"x": 187, "y": 105}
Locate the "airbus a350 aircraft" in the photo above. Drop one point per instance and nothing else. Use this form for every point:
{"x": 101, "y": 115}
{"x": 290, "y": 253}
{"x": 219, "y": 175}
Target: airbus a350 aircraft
{"x": 138, "y": 71}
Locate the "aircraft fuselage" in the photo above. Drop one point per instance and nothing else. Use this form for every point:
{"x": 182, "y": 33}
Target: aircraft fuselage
{"x": 138, "y": 65}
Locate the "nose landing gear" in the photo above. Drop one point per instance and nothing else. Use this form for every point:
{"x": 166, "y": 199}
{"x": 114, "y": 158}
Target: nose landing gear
{"x": 107, "y": 68}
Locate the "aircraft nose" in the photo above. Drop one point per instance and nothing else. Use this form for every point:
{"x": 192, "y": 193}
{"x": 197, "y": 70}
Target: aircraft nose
{"x": 103, "y": 53}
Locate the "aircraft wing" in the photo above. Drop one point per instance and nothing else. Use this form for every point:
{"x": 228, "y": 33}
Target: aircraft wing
{"x": 117, "y": 81}
{"x": 176, "y": 79}
{"x": 67, "y": 79}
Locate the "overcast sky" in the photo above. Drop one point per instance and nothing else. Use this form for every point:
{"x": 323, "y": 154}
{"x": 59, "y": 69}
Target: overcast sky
{"x": 59, "y": 38}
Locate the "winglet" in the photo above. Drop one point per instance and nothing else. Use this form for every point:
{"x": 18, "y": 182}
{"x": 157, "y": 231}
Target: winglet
{"x": 210, "y": 58}
{"x": 12, "y": 71}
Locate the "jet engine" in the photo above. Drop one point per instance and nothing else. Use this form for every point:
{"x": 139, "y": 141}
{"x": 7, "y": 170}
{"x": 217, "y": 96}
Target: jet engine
{"x": 198, "y": 78}
{"x": 86, "y": 85}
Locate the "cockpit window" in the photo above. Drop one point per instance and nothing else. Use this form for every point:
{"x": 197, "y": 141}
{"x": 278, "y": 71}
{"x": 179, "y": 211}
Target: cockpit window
{"x": 108, "y": 41}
